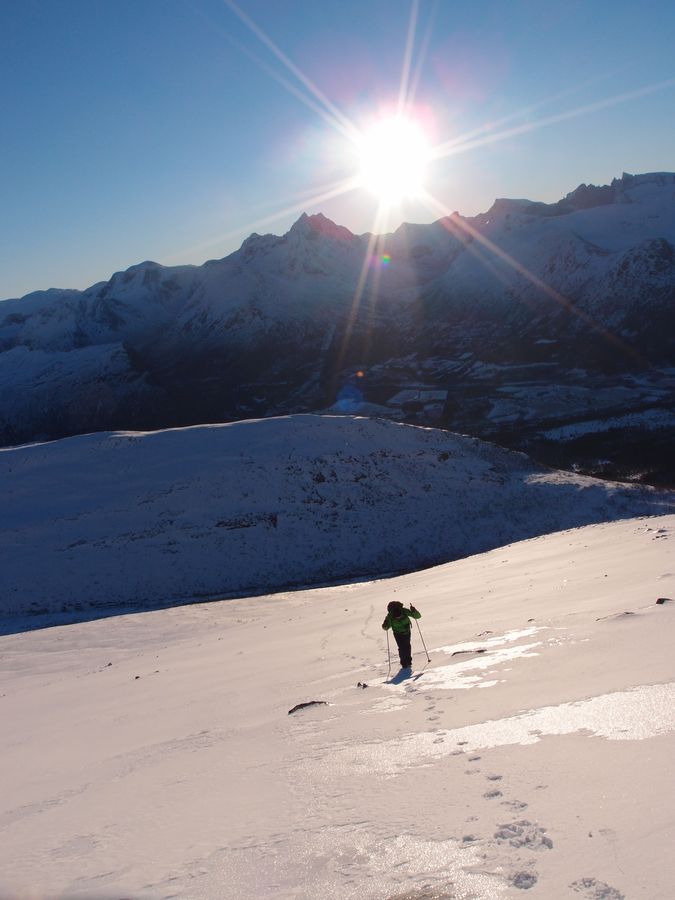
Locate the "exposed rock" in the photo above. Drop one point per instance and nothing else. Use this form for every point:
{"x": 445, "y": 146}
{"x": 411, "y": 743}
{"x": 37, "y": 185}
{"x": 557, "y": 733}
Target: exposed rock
{"x": 308, "y": 703}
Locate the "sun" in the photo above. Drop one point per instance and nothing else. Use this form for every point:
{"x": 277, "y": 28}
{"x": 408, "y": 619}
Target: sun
{"x": 393, "y": 156}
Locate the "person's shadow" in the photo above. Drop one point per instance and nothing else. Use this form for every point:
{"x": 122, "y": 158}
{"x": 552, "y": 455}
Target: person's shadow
{"x": 401, "y": 675}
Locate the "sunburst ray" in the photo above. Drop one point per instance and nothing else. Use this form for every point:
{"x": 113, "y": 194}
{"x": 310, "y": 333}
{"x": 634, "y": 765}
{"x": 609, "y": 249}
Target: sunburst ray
{"x": 451, "y": 148}
{"x": 421, "y": 58}
{"x": 338, "y": 119}
{"x": 374, "y": 241}
{"x": 407, "y": 58}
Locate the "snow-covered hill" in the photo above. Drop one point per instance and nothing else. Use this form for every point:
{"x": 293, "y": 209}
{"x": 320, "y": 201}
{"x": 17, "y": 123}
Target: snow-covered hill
{"x": 112, "y": 520}
{"x": 586, "y": 283}
{"x": 152, "y": 755}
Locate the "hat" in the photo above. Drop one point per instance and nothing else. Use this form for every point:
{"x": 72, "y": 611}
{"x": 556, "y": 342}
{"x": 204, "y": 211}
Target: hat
{"x": 394, "y": 606}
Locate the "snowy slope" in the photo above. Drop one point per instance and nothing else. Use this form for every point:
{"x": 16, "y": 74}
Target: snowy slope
{"x": 130, "y": 518}
{"x": 97, "y": 382}
{"x": 152, "y": 755}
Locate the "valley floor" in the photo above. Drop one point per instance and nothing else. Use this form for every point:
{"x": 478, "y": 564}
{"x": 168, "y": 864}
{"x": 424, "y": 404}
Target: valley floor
{"x": 152, "y": 755}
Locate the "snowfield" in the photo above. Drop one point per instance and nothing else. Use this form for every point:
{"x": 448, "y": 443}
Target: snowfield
{"x": 152, "y": 755}
{"x": 109, "y": 521}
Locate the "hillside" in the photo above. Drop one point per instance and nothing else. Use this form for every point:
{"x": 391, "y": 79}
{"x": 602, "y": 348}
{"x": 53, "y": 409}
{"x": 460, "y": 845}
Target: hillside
{"x": 152, "y": 755}
{"x": 109, "y": 521}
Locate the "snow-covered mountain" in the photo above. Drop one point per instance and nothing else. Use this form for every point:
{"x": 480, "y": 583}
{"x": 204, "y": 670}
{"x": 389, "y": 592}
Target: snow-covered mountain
{"x": 453, "y": 319}
{"x": 109, "y": 521}
{"x": 151, "y": 756}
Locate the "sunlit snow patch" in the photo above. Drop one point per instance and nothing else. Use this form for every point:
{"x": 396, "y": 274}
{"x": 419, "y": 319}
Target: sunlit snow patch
{"x": 456, "y": 675}
{"x": 632, "y": 715}
{"x": 508, "y": 638}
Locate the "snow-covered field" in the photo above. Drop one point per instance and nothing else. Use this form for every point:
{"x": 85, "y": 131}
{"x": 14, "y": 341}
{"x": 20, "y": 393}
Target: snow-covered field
{"x": 649, "y": 419}
{"x": 152, "y": 755}
{"x": 103, "y": 521}
{"x": 532, "y": 403}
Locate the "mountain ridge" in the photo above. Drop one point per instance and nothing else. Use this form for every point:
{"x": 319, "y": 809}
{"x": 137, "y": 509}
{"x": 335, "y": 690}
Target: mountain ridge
{"x": 600, "y": 195}
{"x": 283, "y": 324}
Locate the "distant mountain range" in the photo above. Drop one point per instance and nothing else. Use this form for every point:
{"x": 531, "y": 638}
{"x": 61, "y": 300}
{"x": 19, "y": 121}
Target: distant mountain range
{"x": 548, "y": 327}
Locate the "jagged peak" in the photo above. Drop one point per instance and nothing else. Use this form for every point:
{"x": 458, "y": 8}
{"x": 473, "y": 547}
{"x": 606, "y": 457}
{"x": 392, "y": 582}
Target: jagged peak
{"x": 585, "y": 196}
{"x": 660, "y": 178}
{"x": 318, "y": 224}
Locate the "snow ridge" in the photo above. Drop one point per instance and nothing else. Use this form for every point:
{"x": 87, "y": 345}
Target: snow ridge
{"x": 133, "y": 519}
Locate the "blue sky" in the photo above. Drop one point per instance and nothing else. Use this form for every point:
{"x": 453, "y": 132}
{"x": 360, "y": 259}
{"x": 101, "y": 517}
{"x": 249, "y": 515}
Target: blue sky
{"x": 168, "y": 130}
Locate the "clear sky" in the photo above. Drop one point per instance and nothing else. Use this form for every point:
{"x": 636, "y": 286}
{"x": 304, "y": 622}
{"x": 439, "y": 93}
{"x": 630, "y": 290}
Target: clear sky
{"x": 171, "y": 129}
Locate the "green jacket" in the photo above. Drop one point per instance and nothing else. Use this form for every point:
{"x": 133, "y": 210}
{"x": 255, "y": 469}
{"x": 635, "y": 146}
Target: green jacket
{"x": 402, "y": 623}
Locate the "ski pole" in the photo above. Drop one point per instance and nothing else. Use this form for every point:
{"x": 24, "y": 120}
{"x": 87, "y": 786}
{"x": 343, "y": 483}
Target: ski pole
{"x": 388, "y": 656}
{"x": 423, "y": 644}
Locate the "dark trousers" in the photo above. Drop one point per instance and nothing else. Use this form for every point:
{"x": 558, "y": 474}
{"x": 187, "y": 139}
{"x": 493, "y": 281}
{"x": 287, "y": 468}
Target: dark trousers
{"x": 404, "y": 652}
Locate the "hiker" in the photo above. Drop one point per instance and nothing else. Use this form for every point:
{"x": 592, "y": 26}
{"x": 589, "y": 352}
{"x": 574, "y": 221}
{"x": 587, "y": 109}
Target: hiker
{"x": 398, "y": 619}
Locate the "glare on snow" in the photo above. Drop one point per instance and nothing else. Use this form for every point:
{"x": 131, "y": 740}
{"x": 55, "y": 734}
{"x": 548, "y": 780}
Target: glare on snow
{"x": 350, "y": 861}
{"x": 636, "y": 714}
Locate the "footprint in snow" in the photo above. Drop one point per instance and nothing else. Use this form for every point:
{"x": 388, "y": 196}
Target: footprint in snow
{"x": 514, "y": 804}
{"x": 491, "y": 795}
{"x": 593, "y": 889}
{"x": 523, "y": 880}
{"x": 523, "y": 834}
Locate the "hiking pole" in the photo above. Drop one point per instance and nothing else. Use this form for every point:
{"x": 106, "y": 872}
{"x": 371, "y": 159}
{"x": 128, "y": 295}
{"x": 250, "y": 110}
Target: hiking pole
{"x": 388, "y": 656}
{"x": 422, "y": 639}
